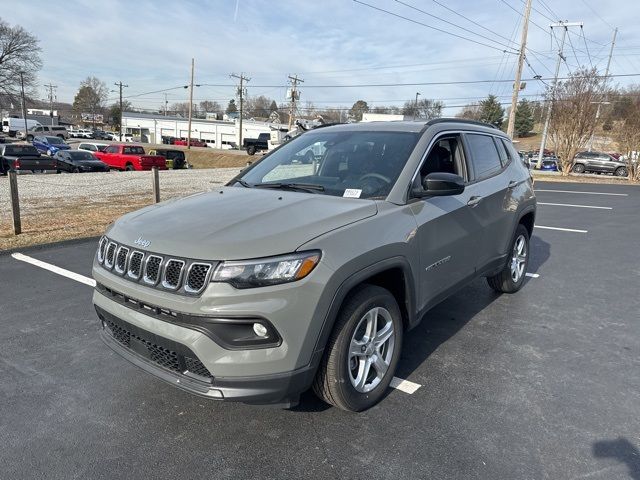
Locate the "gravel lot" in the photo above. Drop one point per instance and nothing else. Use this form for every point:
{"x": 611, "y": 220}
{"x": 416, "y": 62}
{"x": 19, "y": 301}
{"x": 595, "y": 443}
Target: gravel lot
{"x": 69, "y": 188}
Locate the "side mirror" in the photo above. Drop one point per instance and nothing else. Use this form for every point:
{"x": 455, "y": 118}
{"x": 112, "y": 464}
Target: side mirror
{"x": 439, "y": 184}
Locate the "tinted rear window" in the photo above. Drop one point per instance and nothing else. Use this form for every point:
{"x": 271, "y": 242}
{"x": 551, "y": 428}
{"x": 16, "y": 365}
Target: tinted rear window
{"x": 20, "y": 150}
{"x": 486, "y": 160}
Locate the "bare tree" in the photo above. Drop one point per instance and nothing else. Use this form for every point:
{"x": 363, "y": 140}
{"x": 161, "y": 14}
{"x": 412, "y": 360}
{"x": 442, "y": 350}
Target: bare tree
{"x": 627, "y": 134}
{"x": 470, "y": 112}
{"x": 425, "y": 109}
{"x": 259, "y": 106}
{"x": 208, "y": 106}
{"x": 180, "y": 108}
{"x": 19, "y": 52}
{"x": 91, "y": 96}
{"x": 573, "y": 113}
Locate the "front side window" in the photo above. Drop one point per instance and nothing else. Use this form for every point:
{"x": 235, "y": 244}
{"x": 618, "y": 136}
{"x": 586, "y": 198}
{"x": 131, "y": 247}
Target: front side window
{"x": 55, "y": 141}
{"x": 446, "y": 155}
{"x": 360, "y": 164}
{"x": 111, "y": 150}
{"x": 484, "y": 155}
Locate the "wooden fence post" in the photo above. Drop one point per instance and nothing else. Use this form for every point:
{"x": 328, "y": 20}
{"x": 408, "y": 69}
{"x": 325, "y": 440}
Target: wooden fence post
{"x": 156, "y": 184}
{"x": 15, "y": 202}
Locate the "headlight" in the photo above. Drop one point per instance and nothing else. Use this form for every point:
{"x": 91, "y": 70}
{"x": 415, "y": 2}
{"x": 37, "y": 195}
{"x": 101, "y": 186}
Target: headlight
{"x": 267, "y": 271}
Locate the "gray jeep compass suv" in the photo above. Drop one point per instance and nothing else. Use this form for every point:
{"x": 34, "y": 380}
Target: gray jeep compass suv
{"x": 308, "y": 274}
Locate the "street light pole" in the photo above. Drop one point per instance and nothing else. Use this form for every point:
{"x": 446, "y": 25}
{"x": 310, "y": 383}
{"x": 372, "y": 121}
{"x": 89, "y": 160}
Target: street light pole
{"x": 190, "y": 105}
{"x": 415, "y": 109}
{"x": 24, "y": 105}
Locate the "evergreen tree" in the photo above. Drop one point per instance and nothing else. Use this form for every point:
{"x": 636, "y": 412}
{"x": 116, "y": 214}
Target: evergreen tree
{"x": 491, "y": 111}
{"x": 524, "y": 118}
{"x": 231, "y": 108}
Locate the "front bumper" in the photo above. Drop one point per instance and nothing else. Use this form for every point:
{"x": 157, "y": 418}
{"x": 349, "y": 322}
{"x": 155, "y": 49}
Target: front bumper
{"x": 281, "y": 389}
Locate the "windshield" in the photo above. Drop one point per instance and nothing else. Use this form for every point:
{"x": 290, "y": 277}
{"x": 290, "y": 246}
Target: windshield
{"x": 81, "y": 155}
{"x": 357, "y": 164}
{"x": 55, "y": 141}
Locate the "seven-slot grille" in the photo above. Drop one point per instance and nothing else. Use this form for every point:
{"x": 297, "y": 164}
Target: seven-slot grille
{"x": 178, "y": 275}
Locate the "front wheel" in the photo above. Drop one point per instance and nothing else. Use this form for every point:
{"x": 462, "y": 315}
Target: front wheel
{"x": 511, "y": 278}
{"x": 621, "y": 172}
{"x": 578, "y": 168}
{"x": 251, "y": 150}
{"x": 363, "y": 351}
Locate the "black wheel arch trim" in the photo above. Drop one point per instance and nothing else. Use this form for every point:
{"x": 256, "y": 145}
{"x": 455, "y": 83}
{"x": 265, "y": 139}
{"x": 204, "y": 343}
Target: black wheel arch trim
{"x": 353, "y": 281}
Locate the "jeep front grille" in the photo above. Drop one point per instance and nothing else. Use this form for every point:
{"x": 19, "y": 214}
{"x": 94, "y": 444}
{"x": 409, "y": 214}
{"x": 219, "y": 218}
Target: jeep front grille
{"x": 135, "y": 265}
{"x": 172, "y": 274}
{"x": 152, "y": 269}
{"x": 121, "y": 260}
{"x": 178, "y": 275}
{"x": 197, "y": 277}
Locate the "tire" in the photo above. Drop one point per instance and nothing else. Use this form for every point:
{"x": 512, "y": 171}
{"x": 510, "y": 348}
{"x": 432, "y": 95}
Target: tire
{"x": 75, "y": 170}
{"x": 251, "y": 150}
{"x": 339, "y": 378}
{"x": 29, "y": 138}
{"x": 578, "y": 168}
{"x": 512, "y": 276}
{"x": 621, "y": 172}
{"x": 129, "y": 168}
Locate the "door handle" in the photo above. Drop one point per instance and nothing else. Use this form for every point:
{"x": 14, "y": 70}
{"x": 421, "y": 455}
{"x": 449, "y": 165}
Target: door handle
{"x": 474, "y": 201}
{"x": 512, "y": 184}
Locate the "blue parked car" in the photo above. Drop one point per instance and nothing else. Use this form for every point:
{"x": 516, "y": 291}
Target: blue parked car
{"x": 50, "y": 145}
{"x": 550, "y": 164}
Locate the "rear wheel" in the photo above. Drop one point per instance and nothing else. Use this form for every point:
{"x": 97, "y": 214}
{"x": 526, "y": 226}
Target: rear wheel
{"x": 76, "y": 170}
{"x": 129, "y": 168}
{"x": 511, "y": 278}
{"x": 578, "y": 168}
{"x": 363, "y": 351}
{"x": 251, "y": 150}
{"x": 621, "y": 172}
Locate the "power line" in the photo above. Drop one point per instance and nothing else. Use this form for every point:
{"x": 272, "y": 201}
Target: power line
{"x": 429, "y": 26}
{"x": 597, "y": 15}
{"x": 453, "y": 24}
{"x": 586, "y": 46}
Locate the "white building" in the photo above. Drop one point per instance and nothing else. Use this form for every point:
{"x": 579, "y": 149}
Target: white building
{"x": 385, "y": 117}
{"x": 216, "y": 133}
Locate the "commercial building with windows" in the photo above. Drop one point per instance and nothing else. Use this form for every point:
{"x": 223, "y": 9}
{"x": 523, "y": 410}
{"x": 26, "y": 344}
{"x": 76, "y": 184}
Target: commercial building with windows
{"x": 216, "y": 133}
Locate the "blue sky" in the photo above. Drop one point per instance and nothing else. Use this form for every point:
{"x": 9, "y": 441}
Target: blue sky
{"x": 149, "y": 45}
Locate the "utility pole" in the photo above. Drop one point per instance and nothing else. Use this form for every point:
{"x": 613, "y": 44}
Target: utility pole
{"x": 545, "y": 130}
{"x": 24, "y": 104}
{"x": 294, "y": 97}
{"x": 516, "y": 83}
{"x": 121, "y": 86}
{"x": 604, "y": 84}
{"x": 51, "y": 97}
{"x": 190, "y": 105}
{"x": 415, "y": 110}
{"x": 166, "y": 104}
{"x": 242, "y": 79}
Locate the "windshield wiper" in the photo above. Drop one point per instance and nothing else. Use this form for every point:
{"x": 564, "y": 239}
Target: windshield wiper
{"x": 243, "y": 183}
{"x": 307, "y": 187}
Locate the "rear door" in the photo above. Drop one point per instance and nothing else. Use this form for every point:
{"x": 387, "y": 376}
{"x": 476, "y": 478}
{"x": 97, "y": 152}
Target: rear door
{"x": 489, "y": 191}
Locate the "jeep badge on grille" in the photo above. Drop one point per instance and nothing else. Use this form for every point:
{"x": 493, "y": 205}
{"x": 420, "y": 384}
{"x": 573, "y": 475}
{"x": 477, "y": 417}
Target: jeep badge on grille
{"x": 142, "y": 242}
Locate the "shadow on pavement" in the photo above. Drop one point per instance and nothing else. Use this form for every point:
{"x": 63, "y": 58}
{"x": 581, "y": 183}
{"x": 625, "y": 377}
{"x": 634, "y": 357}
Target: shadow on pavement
{"x": 621, "y": 450}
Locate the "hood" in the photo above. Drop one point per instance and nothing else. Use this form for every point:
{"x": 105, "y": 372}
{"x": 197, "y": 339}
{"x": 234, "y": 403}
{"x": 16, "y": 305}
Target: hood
{"x": 234, "y": 223}
{"x": 58, "y": 147}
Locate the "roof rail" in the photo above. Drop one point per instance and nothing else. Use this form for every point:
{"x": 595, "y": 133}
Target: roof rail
{"x": 460, "y": 120}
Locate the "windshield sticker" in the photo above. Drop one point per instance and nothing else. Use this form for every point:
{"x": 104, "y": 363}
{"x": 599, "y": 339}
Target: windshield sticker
{"x": 352, "y": 193}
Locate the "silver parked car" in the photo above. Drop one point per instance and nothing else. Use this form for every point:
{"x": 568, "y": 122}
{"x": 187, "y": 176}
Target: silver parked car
{"x": 308, "y": 275}
{"x": 599, "y": 162}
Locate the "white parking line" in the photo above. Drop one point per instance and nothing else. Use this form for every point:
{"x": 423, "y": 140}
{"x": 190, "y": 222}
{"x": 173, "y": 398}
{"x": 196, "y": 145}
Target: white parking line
{"x": 586, "y": 193}
{"x": 52, "y": 268}
{"x": 572, "y": 205}
{"x": 398, "y": 383}
{"x": 532, "y": 275}
{"x": 404, "y": 385}
{"x": 560, "y": 229}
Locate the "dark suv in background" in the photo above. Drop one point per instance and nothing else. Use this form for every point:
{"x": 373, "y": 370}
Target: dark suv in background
{"x": 599, "y": 162}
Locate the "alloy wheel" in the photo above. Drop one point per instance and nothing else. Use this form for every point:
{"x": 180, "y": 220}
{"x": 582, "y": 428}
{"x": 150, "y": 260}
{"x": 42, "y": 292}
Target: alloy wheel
{"x": 518, "y": 258}
{"x": 371, "y": 349}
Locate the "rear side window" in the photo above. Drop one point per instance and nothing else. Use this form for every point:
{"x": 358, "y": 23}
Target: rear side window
{"x": 484, "y": 155}
{"x": 502, "y": 152}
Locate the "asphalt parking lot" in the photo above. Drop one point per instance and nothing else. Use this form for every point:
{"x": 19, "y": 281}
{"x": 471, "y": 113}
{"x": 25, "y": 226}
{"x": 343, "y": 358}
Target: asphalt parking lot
{"x": 542, "y": 384}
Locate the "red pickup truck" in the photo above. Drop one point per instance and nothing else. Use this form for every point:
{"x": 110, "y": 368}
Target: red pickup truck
{"x": 194, "y": 142}
{"x": 130, "y": 157}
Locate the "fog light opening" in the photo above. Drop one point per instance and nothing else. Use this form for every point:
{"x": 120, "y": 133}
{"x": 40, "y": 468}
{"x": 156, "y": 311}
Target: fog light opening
{"x": 260, "y": 330}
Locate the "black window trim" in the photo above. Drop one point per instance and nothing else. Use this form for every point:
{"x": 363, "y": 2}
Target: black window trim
{"x": 502, "y": 169}
{"x": 436, "y": 138}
